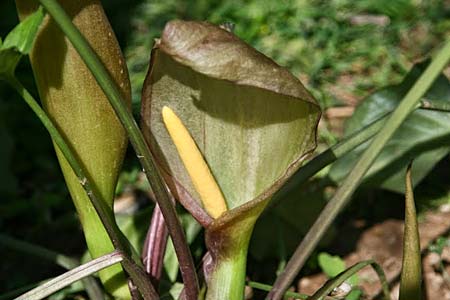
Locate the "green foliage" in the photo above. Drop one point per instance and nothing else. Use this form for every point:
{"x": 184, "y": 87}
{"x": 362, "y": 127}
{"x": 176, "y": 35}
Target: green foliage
{"x": 332, "y": 266}
{"x": 287, "y": 222}
{"x": 423, "y": 136}
{"x": 19, "y": 42}
{"x": 317, "y": 40}
{"x": 22, "y": 36}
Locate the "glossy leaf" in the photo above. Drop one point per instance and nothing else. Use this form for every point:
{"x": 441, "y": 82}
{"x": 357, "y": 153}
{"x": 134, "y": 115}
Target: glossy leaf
{"x": 411, "y": 275}
{"x": 424, "y": 136}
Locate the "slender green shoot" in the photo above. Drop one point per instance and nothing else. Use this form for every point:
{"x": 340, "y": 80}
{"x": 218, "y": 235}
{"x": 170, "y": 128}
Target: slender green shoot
{"x": 411, "y": 276}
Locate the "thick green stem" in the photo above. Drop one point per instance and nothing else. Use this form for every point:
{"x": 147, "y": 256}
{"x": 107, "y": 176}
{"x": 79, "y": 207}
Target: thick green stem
{"x": 228, "y": 278}
{"x": 137, "y": 140}
{"x": 227, "y": 242}
{"x": 352, "y": 181}
{"x": 136, "y": 273}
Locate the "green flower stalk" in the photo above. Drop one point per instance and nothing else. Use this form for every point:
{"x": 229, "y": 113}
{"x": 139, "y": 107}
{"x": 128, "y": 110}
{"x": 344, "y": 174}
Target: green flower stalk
{"x": 252, "y": 121}
{"x": 82, "y": 113}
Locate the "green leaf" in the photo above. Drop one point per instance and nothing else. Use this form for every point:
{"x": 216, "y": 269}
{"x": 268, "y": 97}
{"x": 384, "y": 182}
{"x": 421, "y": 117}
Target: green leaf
{"x": 134, "y": 226}
{"x": 19, "y": 42}
{"x": 333, "y": 265}
{"x": 423, "y": 136}
{"x": 411, "y": 276}
{"x": 22, "y": 36}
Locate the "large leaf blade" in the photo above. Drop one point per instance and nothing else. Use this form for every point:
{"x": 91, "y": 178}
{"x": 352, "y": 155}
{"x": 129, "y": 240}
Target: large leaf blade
{"x": 423, "y": 136}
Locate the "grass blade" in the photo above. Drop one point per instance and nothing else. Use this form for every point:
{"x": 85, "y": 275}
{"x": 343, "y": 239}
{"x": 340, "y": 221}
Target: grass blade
{"x": 71, "y": 276}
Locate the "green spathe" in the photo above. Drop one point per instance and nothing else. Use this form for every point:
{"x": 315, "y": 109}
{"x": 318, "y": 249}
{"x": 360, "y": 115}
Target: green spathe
{"x": 253, "y": 121}
{"x": 82, "y": 113}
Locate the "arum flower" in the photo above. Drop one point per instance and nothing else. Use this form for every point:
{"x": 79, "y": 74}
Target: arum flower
{"x": 252, "y": 121}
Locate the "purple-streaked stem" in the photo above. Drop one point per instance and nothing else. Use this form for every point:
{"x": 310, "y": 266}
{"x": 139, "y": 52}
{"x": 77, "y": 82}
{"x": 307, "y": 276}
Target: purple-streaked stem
{"x": 155, "y": 246}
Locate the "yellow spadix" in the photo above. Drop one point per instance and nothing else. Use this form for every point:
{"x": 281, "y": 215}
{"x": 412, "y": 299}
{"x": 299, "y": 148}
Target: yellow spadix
{"x": 204, "y": 182}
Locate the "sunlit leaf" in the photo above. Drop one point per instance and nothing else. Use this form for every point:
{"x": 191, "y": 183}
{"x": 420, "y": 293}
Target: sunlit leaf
{"x": 424, "y": 136}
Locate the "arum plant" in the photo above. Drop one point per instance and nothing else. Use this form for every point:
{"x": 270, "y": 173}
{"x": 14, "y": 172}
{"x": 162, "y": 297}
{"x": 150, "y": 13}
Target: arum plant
{"x": 227, "y": 127}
